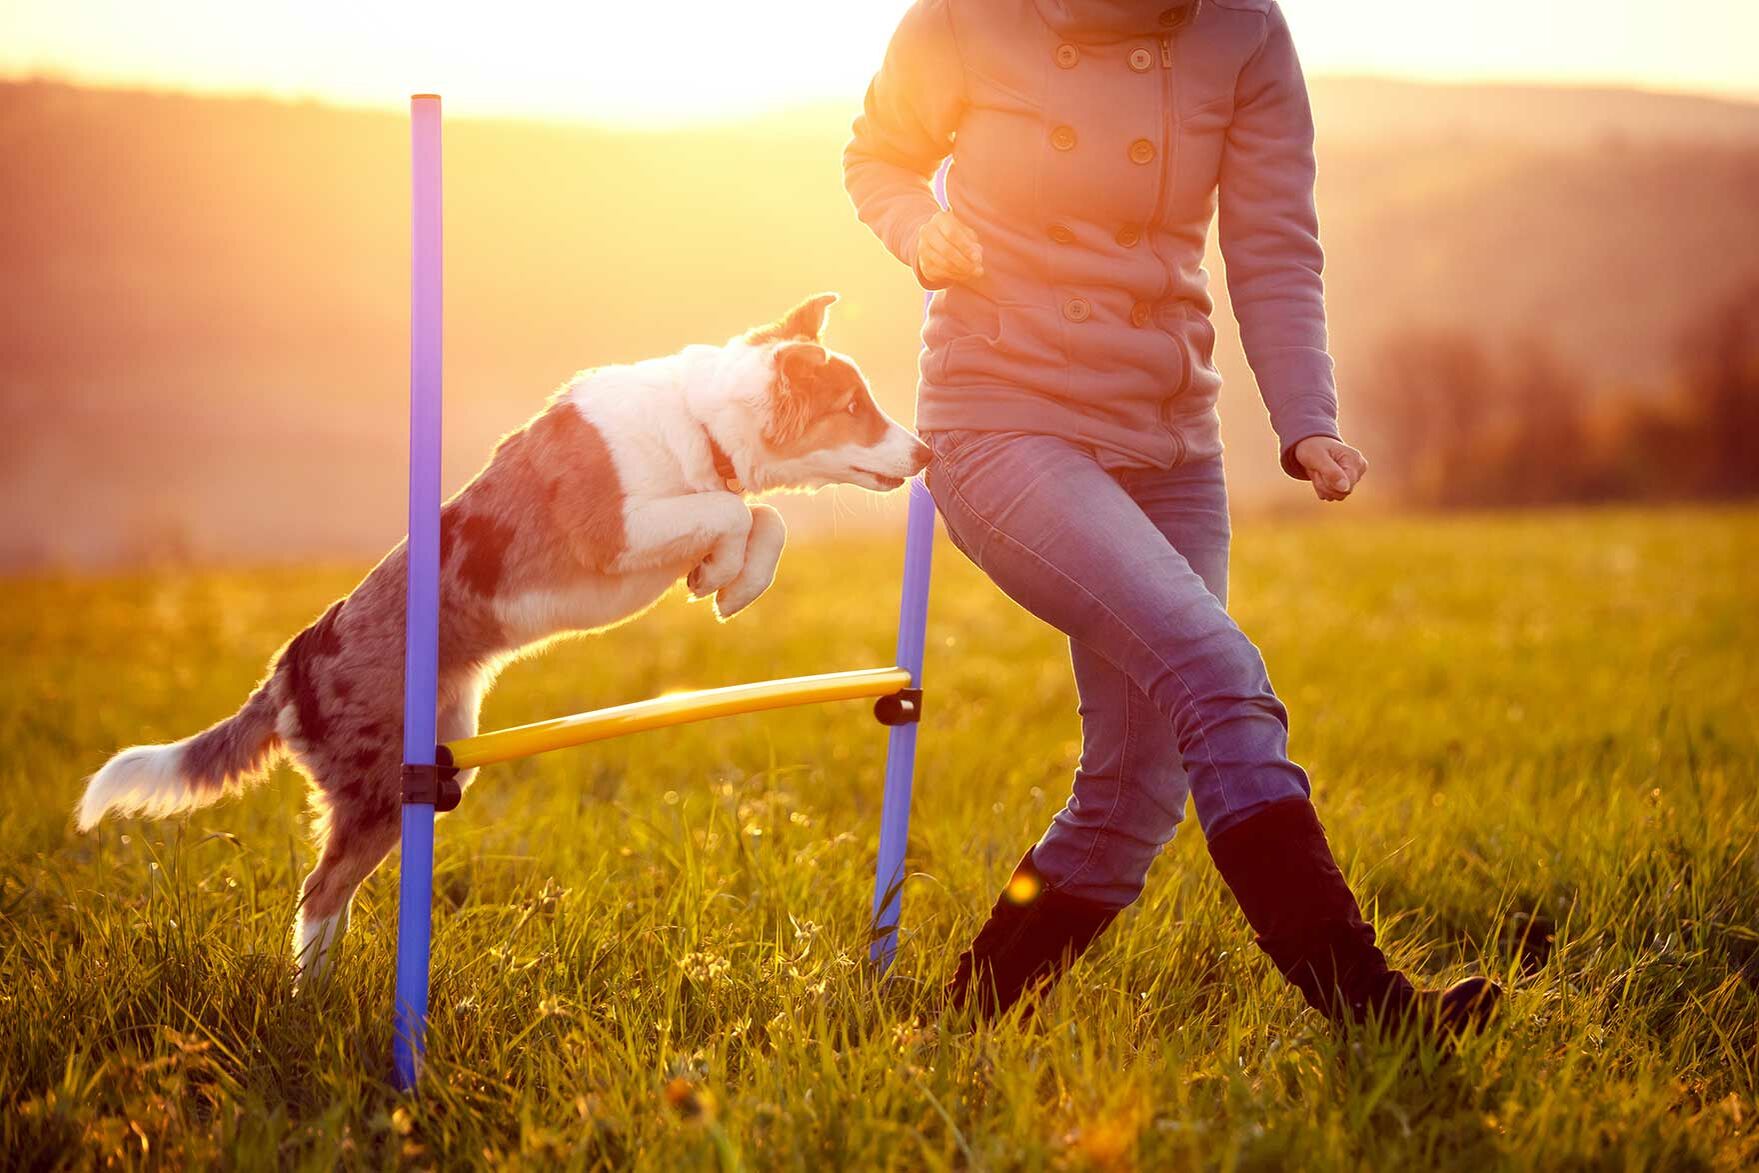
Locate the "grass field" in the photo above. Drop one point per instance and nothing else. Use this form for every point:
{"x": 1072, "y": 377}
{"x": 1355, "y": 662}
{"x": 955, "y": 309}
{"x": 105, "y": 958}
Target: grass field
{"x": 1533, "y": 740}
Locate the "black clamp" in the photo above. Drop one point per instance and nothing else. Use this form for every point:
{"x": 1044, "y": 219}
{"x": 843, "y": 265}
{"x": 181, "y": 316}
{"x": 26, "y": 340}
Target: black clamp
{"x": 435, "y": 785}
{"x": 903, "y": 707}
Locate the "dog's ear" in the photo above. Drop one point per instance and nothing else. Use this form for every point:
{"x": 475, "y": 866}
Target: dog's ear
{"x": 800, "y": 364}
{"x": 800, "y": 368}
{"x": 804, "y": 323}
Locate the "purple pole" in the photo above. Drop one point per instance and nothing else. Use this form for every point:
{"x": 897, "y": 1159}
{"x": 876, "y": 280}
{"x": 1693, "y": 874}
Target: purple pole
{"x": 415, "y": 892}
{"x": 888, "y": 876}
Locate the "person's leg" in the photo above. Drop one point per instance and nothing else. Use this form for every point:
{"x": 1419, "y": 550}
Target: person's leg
{"x": 1128, "y": 798}
{"x": 1129, "y": 791}
{"x": 1130, "y": 788}
{"x": 1065, "y": 539}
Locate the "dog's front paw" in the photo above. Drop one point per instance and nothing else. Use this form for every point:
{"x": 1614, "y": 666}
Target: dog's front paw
{"x": 711, "y": 575}
{"x": 762, "y": 554}
{"x": 735, "y": 597}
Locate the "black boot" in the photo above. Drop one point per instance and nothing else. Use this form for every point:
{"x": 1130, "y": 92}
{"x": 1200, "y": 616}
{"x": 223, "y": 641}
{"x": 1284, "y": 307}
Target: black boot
{"x": 1281, "y": 870}
{"x": 1033, "y": 934}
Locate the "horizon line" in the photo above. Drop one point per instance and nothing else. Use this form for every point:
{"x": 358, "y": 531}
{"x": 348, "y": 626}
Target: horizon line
{"x": 397, "y": 101}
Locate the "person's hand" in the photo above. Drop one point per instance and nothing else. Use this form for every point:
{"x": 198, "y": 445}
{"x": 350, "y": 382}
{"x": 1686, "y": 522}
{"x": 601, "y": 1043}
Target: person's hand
{"x": 1333, "y": 466}
{"x": 947, "y": 251}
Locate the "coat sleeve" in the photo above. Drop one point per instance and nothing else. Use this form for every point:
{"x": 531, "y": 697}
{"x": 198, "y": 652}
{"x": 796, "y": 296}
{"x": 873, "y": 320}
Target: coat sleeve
{"x": 1270, "y": 241}
{"x": 905, "y": 129}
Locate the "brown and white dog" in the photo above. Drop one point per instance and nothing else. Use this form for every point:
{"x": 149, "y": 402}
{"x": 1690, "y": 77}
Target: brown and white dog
{"x": 630, "y": 479}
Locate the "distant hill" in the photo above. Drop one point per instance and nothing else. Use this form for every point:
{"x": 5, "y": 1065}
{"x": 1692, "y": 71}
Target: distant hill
{"x": 203, "y": 300}
{"x": 1386, "y": 113}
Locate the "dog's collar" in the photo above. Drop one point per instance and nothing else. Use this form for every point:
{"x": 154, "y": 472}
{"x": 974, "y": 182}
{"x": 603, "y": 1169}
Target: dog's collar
{"x": 723, "y": 463}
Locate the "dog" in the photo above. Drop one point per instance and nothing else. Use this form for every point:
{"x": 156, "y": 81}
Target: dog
{"x": 629, "y": 479}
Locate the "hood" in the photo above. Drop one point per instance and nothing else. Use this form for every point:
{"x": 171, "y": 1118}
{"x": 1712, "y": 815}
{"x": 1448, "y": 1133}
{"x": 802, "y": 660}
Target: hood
{"x": 1116, "y": 20}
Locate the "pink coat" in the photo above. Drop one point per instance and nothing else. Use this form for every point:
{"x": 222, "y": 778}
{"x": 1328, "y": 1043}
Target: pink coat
{"x": 1090, "y": 141}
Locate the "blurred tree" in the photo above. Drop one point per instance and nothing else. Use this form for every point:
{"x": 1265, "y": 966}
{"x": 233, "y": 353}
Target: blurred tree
{"x": 1719, "y": 357}
{"x": 1425, "y": 396}
{"x": 1538, "y": 448}
{"x": 1450, "y": 424}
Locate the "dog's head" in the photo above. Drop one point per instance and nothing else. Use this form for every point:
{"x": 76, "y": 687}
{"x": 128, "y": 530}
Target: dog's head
{"x": 820, "y": 423}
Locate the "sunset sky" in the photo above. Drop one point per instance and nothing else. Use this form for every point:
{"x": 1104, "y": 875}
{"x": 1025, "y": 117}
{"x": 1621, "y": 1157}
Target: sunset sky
{"x": 688, "y": 61}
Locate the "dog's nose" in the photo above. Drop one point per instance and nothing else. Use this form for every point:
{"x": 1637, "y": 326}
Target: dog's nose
{"x": 920, "y": 454}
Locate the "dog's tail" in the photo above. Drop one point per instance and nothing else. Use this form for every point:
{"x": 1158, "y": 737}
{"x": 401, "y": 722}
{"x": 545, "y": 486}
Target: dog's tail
{"x": 158, "y": 780}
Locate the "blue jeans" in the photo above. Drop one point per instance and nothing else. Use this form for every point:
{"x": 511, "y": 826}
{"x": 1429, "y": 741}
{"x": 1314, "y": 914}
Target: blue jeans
{"x": 1132, "y": 565}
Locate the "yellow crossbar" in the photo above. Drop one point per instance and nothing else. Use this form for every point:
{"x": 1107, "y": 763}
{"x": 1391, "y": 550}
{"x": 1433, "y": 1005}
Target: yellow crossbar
{"x": 679, "y": 708}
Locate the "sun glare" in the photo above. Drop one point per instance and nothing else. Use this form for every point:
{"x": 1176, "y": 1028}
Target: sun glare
{"x": 641, "y": 65}
{"x": 692, "y": 60}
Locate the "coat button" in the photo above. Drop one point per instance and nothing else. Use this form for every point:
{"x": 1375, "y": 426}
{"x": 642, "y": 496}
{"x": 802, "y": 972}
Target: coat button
{"x": 1076, "y": 309}
{"x": 1141, "y": 151}
{"x": 1140, "y": 313}
{"x": 1061, "y": 234}
{"x": 1063, "y": 138}
{"x": 1141, "y": 60}
{"x": 1067, "y": 55}
{"x": 1129, "y": 235}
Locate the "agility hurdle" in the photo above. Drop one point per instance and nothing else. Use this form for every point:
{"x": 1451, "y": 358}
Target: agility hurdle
{"x": 430, "y": 770}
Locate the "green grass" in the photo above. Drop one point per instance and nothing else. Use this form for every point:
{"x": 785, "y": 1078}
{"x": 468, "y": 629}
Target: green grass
{"x": 1533, "y": 741}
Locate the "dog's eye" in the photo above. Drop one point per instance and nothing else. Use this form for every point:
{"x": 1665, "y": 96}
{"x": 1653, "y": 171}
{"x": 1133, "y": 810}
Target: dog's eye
{"x": 855, "y": 407}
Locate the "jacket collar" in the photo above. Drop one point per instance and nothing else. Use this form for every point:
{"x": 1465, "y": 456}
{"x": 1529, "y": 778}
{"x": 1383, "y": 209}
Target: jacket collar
{"x": 1114, "y": 20}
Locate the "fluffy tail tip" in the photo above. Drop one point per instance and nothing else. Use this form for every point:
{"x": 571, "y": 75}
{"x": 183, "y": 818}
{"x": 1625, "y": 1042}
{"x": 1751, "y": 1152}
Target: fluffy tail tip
{"x": 146, "y": 780}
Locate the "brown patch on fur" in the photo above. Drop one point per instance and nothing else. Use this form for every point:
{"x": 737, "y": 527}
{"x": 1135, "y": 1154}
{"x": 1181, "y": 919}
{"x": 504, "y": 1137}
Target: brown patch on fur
{"x": 804, "y": 323}
{"x": 480, "y": 544}
{"x": 819, "y": 401}
{"x": 794, "y": 397}
{"x": 317, "y": 641}
{"x": 577, "y": 482}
